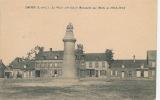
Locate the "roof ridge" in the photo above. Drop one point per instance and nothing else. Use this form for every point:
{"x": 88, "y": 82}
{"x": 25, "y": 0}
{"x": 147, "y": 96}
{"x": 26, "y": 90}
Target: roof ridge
{"x": 129, "y": 59}
{"x": 94, "y": 53}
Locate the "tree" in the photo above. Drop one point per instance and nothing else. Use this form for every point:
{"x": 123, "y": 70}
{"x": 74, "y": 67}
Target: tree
{"x": 109, "y": 59}
{"x": 79, "y": 52}
{"x": 31, "y": 55}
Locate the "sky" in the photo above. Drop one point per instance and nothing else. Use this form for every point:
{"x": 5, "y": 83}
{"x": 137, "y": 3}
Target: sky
{"x": 130, "y": 31}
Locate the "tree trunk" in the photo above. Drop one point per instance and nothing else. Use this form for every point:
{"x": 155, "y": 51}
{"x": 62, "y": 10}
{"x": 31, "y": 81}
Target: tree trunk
{"x": 108, "y": 73}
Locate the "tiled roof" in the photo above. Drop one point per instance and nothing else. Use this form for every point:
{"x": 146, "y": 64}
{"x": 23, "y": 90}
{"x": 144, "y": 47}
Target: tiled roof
{"x": 129, "y": 63}
{"x": 151, "y": 55}
{"x": 49, "y": 55}
{"x": 95, "y": 57}
{"x": 18, "y": 63}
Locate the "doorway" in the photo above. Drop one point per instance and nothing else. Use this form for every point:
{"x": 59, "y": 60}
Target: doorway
{"x": 8, "y": 74}
{"x": 142, "y": 73}
{"x": 55, "y": 73}
{"x": 96, "y": 73}
{"x": 90, "y": 72}
{"x": 37, "y": 73}
{"x": 122, "y": 74}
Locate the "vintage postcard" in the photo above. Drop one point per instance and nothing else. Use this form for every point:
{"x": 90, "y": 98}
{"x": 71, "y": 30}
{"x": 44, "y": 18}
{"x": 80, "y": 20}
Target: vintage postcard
{"x": 78, "y": 49}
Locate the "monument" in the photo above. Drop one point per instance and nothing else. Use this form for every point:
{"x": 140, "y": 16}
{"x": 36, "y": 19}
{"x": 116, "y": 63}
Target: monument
{"x": 69, "y": 70}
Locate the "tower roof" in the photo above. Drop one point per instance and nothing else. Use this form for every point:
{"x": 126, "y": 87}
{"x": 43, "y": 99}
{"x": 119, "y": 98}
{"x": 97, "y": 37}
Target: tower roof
{"x": 69, "y": 36}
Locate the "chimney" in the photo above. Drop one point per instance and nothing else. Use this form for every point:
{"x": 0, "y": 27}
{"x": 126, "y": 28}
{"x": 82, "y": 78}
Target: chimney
{"x": 134, "y": 58}
{"x": 50, "y": 49}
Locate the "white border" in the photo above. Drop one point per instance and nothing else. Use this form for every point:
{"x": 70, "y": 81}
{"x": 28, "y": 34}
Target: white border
{"x": 158, "y": 52}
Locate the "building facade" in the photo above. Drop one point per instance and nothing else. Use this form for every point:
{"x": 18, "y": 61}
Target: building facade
{"x": 129, "y": 69}
{"x": 20, "y": 68}
{"x": 49, "y": 64}
{"x": 93, "y": 65}
{"x": 151, "y": 62}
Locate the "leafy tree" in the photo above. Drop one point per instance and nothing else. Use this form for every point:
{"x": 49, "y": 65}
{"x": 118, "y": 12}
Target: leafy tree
{"x": 79, "y": 53}
{"x": 31, "y": 55}
{"x": 109, "y": 59}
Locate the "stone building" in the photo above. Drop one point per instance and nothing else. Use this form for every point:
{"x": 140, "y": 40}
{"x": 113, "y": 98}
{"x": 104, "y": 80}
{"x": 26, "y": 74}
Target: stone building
{"x": 129, "y": 69}
{"x": 20, "y": 68}
{"x": 93, "y": 65}
{"x": 49, "y": 64}
{"x": 151, "y": 62}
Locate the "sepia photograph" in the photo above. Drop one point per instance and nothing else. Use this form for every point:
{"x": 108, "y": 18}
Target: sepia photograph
{"x": 78, "y": 49}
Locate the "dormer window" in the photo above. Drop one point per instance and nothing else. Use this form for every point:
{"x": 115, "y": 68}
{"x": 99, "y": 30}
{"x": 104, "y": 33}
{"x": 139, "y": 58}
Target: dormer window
{"x": 82, "y": 63}
{"x": 44, "y": 56}
{"x": 56, "y": 57}
{"x": 98, "y": 57}
{"x": 25, "y": 66}
{"x": 142, "y": 66}
{"x": 11, "y": 66}
{"x": 122, "y": 66}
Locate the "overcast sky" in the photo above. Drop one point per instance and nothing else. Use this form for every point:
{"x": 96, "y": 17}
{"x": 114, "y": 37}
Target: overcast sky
{"x": 128, "y": 32}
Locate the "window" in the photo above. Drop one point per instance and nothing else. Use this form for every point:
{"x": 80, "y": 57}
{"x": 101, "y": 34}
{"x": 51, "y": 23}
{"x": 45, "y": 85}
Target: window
{"x": 31, "y": 73}
{"x": 138, "y": 73}
{"x": 145, "y": 73}
{"x": 56, "y": 57}
{"x": 45, "y": 64}
{"x": 27, "y": 73}
{"x": 96, "y": 64}
{"x": 50, "y": 64}
{"x": 90, "y": 64}
{"x": 38, "y": 65}
{"x": 153, "y": 73}
{"x": 142, "y": 66}
{"x": 60, "y": 64}
{"x": 102, "y": 72}
{"x": 42, "y": 64}
{"x": 116, "y": 73}
{"x": 25, "y": 66}
{"x": 153, "y": 64}
{"x": 129, "y": 73}
{"x": 44, "y": 56}
{"x": 87, "y": 72}
{"x": 82, "y": 63}
{"x": 122, "y": 66}
{"x": 59, "y": 72}
{"x": 55, "y": 64}
{"x": 111, "y": 72}
{"x": 98, "y": 57}
{"x": 103, "y": 64}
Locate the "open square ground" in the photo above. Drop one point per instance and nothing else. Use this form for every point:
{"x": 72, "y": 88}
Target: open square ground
{"x": 20, "y": 89}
